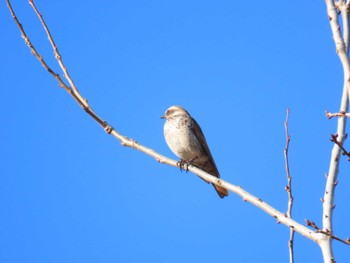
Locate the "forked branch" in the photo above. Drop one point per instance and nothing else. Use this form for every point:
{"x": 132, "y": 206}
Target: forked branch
{"x": 326, "y": 232}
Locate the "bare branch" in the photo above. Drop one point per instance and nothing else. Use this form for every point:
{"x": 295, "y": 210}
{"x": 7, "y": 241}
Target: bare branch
{"x": 288, "y": 188}
{"x": 57, "y": 54}
{"x": 341, "y": 45}
{"x": 72, "y": 91}
{"x": 345, "y": 241}
{"x": 330, "y": 115}
{"x": 326, "y": 232}
{"x": 33, "y": 50}
{"x": 344, "y": 10}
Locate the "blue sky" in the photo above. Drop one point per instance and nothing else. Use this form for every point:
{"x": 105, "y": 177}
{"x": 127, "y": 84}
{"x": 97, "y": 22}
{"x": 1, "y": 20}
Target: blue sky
{"x": 71, "y": 193}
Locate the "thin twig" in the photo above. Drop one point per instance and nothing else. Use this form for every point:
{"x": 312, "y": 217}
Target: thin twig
{"x": 330, "y": 115}
{"x": 33, "y": 50}
{"x": 340, "y": 145}
{"x": 326, "y": 232}
{"x": 72, "y": 91}
{"x": 57, "y": 54}
{"x": 288, "y": 188}
{"x": 311, "y": 224}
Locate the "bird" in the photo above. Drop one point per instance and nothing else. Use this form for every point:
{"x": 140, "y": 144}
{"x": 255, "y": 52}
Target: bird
{"x": 186, "y": 140}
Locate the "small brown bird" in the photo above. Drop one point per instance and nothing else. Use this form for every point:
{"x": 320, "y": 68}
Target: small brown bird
{"x": 186, "y": 139}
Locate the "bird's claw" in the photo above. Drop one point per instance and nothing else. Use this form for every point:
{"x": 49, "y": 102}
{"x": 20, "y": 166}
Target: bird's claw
{"x": 183, "y": 164}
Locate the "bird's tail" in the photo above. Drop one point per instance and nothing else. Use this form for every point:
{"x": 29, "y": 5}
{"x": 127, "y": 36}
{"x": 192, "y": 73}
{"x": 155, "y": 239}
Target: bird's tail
{"x": 222, "y": 192}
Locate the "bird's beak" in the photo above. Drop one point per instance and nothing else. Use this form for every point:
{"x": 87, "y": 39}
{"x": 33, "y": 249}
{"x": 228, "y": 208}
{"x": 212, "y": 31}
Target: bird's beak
{"x": 163, "y": 117}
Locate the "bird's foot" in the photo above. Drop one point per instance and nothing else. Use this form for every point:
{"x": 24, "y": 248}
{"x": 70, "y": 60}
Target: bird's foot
{"x": 183, "y": 164}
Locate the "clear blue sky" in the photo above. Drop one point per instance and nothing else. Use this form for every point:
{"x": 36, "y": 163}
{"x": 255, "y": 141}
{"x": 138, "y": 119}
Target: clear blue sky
{"x": 71, "y": 193}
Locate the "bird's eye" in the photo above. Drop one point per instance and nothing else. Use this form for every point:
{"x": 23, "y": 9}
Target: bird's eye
{"x": 169, "y": 112}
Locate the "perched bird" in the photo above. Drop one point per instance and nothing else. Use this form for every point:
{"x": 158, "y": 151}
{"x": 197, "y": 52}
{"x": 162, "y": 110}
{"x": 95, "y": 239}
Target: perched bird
{"x": 186, "y": 139}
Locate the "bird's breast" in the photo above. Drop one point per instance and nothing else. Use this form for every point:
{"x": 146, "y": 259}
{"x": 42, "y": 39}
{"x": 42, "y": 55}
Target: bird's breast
{"x": 181, "y": 139}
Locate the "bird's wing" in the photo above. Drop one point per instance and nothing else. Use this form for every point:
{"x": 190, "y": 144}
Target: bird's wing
{"x": 211, "y": 166}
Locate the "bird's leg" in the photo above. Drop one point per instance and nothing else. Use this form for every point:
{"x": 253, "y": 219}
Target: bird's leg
{"x": 191, "y": 161}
